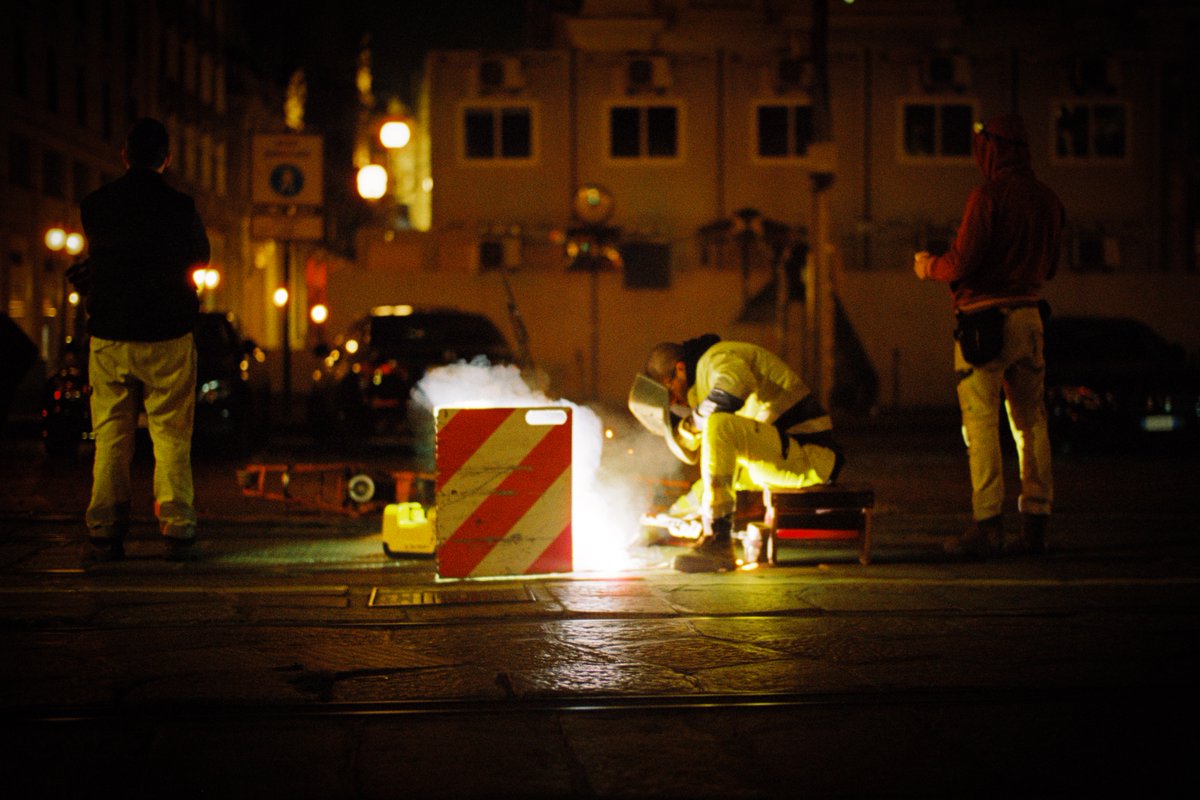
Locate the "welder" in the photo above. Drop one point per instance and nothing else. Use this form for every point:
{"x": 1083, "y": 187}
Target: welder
{"x": 746, "y": 417}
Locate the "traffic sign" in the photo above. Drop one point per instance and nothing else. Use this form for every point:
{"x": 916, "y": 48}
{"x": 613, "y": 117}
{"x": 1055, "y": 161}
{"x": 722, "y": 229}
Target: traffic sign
{"x": 287, "y": 169}
{"x": 288, "y": 227}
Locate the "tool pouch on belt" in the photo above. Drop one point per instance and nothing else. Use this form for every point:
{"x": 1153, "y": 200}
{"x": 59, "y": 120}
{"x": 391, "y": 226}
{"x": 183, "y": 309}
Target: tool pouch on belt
{"x": 980, "y": 335}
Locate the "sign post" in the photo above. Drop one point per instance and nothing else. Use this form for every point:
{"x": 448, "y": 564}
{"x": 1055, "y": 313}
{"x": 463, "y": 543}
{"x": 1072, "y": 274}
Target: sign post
{"x": 287, "y": 190}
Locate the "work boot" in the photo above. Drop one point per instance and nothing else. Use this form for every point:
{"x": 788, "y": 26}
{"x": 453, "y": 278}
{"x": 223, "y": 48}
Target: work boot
{"x": 182, "y": 548}
{"x": 105, "y": 543}
{"x": 100, "y": 550}
{"x": 714, "y": 551}
{"x": 1032, "y": 538}
{"x": 984, "y": 538}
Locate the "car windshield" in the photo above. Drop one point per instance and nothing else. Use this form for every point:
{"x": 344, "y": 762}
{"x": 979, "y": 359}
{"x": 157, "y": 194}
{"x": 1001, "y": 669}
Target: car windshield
{"x": 464, "y": 334}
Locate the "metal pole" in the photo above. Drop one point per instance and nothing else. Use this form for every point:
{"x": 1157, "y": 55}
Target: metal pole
{"x": 595, "y": 331}
{"x": 286, "y": 331}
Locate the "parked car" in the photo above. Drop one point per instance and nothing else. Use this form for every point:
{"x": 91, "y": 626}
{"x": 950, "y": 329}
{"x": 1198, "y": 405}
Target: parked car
{"x": 233, "y": 397}
{"x": 1114, "y": 381}
{"x": 362, "y": 386}
{"x": 233, "y": 390}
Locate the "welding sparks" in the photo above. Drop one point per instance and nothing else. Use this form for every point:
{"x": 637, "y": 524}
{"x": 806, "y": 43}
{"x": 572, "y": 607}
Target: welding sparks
{"x": 606, "y": 507}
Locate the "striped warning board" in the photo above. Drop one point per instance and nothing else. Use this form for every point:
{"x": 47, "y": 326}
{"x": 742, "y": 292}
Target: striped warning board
{"x": 503, "y": 491}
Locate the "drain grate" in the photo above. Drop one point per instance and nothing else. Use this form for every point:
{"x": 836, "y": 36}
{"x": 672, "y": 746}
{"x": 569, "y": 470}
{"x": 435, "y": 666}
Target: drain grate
{"x": 444, "y": 597}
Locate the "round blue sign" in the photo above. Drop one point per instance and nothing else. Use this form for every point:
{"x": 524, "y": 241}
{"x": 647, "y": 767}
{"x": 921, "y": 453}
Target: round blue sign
{"x": 287, "y": 180}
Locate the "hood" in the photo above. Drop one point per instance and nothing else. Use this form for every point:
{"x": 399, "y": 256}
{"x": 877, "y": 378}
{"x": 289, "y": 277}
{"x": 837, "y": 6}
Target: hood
{"x": 1001, "y": 145}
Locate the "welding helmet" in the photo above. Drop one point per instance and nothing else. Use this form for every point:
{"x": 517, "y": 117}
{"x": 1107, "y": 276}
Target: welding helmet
{"x": 650, "y": 403}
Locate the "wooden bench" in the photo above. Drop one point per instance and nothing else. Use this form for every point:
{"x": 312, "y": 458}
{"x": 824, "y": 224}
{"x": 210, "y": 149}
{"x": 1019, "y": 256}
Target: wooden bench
{"x": 827, "y": 515}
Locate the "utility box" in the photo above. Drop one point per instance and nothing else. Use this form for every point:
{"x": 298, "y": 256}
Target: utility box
{"x": 503, "y": 491}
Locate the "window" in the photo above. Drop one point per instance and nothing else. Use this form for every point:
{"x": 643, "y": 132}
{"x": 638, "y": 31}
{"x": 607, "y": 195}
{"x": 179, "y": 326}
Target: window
{"x": 1091, "y": 131}
{"x": 20, "y": 154}
{"x": 20, "y": 65}
{"x": 936, "y": 129}
{"x": 81, "y": 181}
{"x": 51, "y": 80}
{"x": 643, "y": 131}
{"x": 80, "y": 96}
{"x": 498, "y": 132}
{"x": 220, "y": 169}
{"x": 54, "y": 176}
{"x": 784, "y": 131}
{"x": 106, "y": 126}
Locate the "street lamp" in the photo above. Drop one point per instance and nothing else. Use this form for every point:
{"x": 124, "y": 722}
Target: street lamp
{"x": 372, "y": 182}
{"x": 60, "y": 240}
{"x": 319, "y": 314}
{"x": 395, "y": 134}
{"x": 280, "y": 298}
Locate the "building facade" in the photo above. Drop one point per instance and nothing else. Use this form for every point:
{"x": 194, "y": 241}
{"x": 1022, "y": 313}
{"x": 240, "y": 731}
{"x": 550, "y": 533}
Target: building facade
{"x": 74, "y": 77}
{"x": 702, "y": 127}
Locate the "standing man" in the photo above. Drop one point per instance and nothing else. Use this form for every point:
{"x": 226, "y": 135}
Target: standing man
{"x": 739, "y": 406}
{"x": 1007, "y": 245}
{"x": 144, "y": 239}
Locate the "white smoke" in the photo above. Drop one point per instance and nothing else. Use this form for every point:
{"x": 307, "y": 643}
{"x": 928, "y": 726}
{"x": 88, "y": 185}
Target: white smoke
{"x": 606, "y": 503}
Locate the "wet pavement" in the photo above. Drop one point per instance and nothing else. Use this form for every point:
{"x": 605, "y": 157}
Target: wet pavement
{"x": 296, "y": 659}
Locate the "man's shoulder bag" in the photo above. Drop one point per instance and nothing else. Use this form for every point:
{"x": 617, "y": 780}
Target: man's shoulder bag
{"x": 980, "y": 334}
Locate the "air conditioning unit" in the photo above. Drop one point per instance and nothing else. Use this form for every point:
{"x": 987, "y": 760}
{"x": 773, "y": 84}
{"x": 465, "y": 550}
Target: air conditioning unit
{"x": 498, "y": 75}
{"x": 793, "y": 75}
{"x": 1095, "y": 75}
{"x": 496, "y": 252}
{"x": 945, "y": 72}
{"x": 648, "y": 74}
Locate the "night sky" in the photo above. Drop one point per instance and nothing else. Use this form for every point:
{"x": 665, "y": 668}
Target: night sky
{"x": 284, "y": 36}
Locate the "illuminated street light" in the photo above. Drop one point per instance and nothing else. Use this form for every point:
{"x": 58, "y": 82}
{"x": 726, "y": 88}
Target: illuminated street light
{"x": 206, "y": 278}
{"x": 280, "y": 297}
{"x": 56, "y": 239}
{"x": 372, "y": 182}
{"x": 395, "y": 134}
{"x": 318, "y": 314}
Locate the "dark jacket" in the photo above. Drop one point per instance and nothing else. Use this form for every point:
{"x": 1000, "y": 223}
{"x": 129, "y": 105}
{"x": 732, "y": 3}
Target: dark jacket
{"x": 144, "y": 240}
{"x": 1011, "y": 232}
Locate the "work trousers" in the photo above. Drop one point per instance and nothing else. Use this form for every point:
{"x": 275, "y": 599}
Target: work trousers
{"x": 1019, "y": 371}
{"x": 729, "y": 442}
{"x": 125, "y": 376}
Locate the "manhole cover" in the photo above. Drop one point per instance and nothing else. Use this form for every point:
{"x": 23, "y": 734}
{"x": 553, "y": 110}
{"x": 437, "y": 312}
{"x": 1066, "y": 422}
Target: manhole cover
{"x": 444, "y": 597}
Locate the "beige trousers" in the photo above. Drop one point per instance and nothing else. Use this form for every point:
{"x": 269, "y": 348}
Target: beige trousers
{"x": 125, "y": 376}
{"x": 1019, "y": 371}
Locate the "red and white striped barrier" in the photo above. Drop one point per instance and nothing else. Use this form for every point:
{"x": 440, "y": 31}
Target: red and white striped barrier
{"x": 503, "y": 491}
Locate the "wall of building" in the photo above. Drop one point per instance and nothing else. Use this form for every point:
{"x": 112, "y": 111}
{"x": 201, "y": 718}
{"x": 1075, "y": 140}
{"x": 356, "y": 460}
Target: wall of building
{"x": 883, "y": 203}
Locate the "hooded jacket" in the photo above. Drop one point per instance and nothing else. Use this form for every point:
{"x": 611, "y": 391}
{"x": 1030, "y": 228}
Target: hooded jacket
{"x": 1009, "y": 239}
